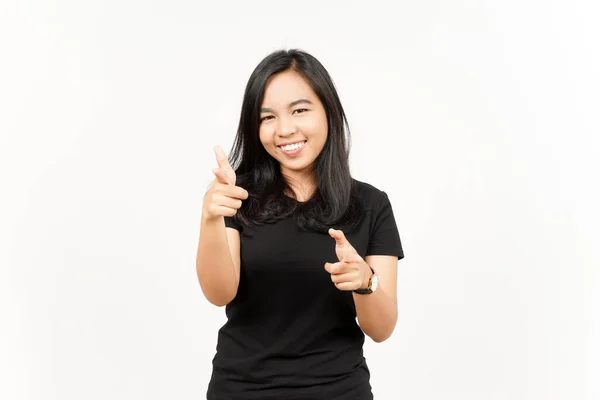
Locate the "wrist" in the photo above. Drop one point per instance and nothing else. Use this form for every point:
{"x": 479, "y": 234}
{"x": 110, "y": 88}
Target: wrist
{"x": 208, "y": 220}
{"x": 367, "y": 276}
{"x": 371, "y": 284}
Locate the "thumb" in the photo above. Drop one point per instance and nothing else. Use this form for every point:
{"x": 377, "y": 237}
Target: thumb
{"x": 228, "y": 174}
{"x": 340, "y": 238}
{"x": 221, "y": 157}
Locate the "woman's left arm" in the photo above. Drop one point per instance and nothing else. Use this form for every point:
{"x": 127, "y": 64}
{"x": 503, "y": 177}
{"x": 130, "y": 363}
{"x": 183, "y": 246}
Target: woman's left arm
{"x": 378, "y": 312}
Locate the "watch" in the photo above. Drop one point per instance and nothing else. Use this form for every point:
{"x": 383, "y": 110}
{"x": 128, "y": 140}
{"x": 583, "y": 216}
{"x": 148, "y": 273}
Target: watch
{"x": 372, "y": 285}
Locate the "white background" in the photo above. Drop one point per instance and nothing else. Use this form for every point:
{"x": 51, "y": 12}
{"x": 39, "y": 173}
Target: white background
{"x": 478, "y": 118}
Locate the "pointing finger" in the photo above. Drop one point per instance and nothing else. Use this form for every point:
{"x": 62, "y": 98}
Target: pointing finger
{"x": 334, "y": 268}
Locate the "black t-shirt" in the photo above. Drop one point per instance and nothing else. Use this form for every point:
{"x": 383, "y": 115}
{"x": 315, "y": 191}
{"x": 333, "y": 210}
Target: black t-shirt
{"x": 290, "y": 333}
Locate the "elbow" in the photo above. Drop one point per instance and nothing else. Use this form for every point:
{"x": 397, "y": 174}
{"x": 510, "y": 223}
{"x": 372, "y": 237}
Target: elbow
{"x": 383, "y": 333}
{"x": 380, "y": 338}
{"x": 218, "y": 300}
{"x": 217, "y": 296}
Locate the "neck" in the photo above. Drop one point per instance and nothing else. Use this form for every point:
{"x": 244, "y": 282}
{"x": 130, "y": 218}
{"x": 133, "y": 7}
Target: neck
{"x": 302, "y": 188}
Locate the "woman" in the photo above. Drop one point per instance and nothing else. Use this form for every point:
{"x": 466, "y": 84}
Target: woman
{"x": 295, "y": 247}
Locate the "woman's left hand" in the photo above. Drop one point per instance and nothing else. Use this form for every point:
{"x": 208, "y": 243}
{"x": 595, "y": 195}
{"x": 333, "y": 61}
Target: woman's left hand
{"x": 351, "y": 272}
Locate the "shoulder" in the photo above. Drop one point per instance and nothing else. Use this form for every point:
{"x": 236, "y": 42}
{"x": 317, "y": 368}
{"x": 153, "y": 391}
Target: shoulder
{"x": 371, "y": 196}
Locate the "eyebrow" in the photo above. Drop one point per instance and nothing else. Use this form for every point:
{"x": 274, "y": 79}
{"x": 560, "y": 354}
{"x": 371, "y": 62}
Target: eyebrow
{"x": 292, "y": 104}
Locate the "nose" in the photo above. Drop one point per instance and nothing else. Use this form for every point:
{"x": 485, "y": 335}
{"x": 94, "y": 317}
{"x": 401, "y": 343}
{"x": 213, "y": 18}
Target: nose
{"x": 286, "y": 126}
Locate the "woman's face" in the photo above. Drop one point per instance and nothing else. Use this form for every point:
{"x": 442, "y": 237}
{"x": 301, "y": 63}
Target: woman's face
{"x": 292, "y": 114}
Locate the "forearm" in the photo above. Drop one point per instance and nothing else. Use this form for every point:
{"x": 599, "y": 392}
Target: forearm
{"x": 216, "y": 272}
{"x": 377, "y": 314}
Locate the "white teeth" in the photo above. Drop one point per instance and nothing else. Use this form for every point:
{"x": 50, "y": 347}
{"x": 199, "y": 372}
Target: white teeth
{"x": 293, "y": 146}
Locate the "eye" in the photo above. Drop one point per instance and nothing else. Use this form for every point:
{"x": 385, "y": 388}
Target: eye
{"x": 301, "y": 110}
{"x": 266, "y": 118}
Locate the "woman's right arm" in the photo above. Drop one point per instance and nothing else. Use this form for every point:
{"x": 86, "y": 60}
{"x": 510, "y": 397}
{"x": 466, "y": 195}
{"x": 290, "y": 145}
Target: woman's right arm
{"x": 218, "y": 257}
{"x": 218, "y": 261}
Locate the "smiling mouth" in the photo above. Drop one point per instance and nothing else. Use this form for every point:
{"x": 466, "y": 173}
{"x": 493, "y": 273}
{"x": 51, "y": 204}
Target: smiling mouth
{"x": 293, "y": 147}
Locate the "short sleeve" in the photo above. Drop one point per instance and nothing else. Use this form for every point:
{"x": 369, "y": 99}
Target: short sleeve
{"x": 384, "y": 238}
{"x": 230, "y": 222}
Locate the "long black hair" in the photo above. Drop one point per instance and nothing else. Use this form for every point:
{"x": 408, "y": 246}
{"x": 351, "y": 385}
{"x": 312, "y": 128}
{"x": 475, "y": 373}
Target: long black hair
{"x": 336, "y": 202}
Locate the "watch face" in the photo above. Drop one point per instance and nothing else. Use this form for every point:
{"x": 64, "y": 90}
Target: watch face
{"x": 374, "y": 282}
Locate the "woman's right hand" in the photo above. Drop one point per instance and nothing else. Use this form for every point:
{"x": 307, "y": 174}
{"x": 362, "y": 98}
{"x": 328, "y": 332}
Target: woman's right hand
{"x": 223, "y": 197}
